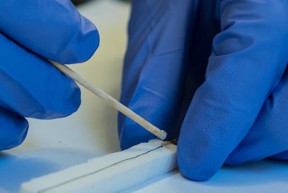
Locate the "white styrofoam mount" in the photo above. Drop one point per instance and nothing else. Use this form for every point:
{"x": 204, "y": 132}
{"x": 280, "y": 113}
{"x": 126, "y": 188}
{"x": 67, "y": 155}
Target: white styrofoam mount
{"x": 111, "y": 173}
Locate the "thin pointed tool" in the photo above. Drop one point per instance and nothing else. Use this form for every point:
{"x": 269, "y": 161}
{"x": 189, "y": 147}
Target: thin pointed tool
{"x": 161, "y": 134}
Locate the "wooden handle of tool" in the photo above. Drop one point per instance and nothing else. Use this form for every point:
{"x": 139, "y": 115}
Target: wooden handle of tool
{"x": 161, "y": 134}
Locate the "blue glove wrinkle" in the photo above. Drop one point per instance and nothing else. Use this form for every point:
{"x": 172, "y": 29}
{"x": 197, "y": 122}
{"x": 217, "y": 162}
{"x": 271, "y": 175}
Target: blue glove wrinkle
{"x": 199, "y": 48}
{"x": 13, "y": 129}
{"x": 53, "y": 29}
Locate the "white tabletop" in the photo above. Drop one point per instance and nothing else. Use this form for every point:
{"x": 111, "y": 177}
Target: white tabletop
{"x": 57, "y": 144}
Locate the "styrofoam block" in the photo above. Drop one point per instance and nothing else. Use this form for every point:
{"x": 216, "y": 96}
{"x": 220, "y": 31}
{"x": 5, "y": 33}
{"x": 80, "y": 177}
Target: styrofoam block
{"x": 111, "y": 173}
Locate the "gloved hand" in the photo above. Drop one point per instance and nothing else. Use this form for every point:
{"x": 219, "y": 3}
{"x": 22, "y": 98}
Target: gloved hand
{"x": 214, "y": 70}
{"x": 31, "y": 32}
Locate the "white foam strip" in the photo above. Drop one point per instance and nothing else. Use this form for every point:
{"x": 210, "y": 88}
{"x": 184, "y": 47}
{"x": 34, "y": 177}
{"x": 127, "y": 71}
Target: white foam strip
{"x": 111, "y": 173}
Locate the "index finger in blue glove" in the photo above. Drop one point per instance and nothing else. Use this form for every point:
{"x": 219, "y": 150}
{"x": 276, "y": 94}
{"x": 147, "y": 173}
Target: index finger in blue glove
{"x": 53, "y": 29}
{"x": 248, "y": 59}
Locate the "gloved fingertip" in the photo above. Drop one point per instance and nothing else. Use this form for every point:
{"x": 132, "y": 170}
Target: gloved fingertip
{"x": 82, "y": 46}
{"x": 13, "y": 131}
{"x": 71, "y": 100}
{"x": 194, "y": 163}
{"x": 195, "y": 173}
{"x": 62, "y": 104}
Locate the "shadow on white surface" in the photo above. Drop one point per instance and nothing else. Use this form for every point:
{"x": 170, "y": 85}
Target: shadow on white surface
{"x": 15, "y": 170}
{"x": 250, "y": 174}
{"x": 18, "y": 168}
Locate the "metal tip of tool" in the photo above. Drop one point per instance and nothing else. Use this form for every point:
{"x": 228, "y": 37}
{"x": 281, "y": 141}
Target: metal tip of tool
{"x": 163, "y": 135}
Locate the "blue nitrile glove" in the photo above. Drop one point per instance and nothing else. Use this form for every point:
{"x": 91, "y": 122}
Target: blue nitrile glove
{"x": 32, "y": 31}
{"x": 239, "y": 108}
